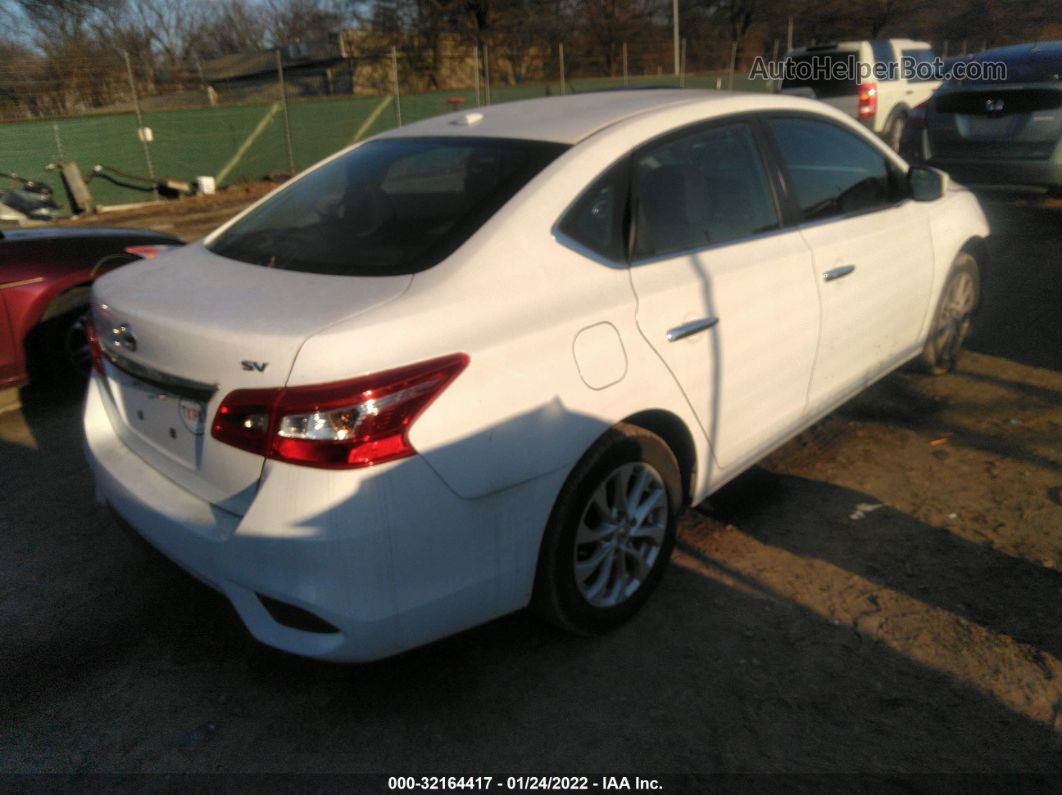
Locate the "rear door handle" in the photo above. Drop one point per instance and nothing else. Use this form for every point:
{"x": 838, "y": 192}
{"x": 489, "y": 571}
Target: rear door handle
{"x": 838, "y": 273}
{"x": 688, "y": 329}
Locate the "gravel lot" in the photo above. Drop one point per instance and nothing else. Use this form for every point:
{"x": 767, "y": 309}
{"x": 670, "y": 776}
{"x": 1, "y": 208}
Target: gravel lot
{"x": 884, "y": 594}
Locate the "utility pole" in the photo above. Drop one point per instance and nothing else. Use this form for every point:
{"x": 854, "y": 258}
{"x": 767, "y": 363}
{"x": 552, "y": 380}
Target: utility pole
{"x": 475, "y": 70}
{"x": 394, "y": 77}
{"x": 560, "y": 56}
{"x": 675, "y": 27}
{"x": 141, "y": 131}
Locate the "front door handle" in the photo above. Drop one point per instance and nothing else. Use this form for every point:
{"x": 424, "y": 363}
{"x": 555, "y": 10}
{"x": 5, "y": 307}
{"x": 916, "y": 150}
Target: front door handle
{"x": 688, "y": 329}
{"x": 838, "y": 273}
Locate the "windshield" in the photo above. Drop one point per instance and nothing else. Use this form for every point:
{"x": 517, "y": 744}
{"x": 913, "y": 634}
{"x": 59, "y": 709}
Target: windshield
{"x": 389, "y": 207}
{"x": 1021, "y": 66}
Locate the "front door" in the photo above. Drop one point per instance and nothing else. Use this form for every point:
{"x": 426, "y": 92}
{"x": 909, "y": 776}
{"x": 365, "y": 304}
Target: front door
{"x": 872, "y": 248}
{"x": 726, "y": 297}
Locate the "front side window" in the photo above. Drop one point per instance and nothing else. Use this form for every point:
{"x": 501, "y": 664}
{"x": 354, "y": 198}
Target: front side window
{"x": 702, "y": 189}
{"x": 833, "y": 172}
{"x": 389, "y": 207}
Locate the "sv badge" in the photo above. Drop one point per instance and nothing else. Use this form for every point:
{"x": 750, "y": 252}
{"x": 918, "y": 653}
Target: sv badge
{"x": 258, "y": 367}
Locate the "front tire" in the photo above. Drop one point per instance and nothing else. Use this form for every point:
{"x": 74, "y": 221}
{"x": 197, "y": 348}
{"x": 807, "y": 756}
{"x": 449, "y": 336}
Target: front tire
{"x": 954, "y": 316}
{"x": 610, "y": 536}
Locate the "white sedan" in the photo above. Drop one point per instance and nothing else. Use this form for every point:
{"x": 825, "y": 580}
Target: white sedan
{"x": 483, "y": 361}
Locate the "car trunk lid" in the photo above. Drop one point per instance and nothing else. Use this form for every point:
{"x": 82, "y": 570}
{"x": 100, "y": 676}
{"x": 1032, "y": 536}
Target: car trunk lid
{"x": 183, "y": 331}
{"x": 997, "y": 123}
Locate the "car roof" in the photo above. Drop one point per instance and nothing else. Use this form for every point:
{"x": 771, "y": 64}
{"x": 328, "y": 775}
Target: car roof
{"x": 853, "y": 45}
{"x": 1035, "y": 49}
{"x": 571, "y": 119}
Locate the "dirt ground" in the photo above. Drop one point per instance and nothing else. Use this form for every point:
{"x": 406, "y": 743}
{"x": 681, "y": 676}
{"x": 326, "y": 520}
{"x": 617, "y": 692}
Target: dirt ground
{"x": 882, "y": 595}
{"x": 190, "y": 218}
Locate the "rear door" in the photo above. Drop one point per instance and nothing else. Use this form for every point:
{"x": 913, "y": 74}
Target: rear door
{"x": 726, "y": 294}
{"x": 888, "y": 79}
{"x": 920, "y": 75}
{"x": 872, "y": 250}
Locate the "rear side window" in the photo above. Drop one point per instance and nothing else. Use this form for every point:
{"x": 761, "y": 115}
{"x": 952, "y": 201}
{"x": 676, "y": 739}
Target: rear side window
{"x": 597, "y": 220}
{"x": 702, "y": 189}
{"x": 832, "y": 171}
{"x": 389, "y": 207}
{"x": 826, "y": 74}
{"x": 885, "y": 67}
{"x": 919, "y": 66}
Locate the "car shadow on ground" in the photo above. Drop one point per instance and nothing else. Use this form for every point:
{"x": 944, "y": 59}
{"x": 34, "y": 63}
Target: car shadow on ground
{"x": 811, "y": 519}
{"x": 112, "y": 657}
{"x": 1022, "y": 283}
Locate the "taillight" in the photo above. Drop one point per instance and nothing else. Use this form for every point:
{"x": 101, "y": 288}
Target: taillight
{"x": 94, "y": 346}
{"x": 147, "y": 252}
{"x": 340, "y": 425}
{"x": 916, "y": 119}
{"x": 868, "y": 100}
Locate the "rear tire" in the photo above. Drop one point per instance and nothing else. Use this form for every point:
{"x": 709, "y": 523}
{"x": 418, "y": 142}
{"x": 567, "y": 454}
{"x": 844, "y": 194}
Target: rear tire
{"x": 954, "y": 316}
{"x": 611, "y": 532}
{"x": 895, "y": 132}
{"x": 66, "y": 346}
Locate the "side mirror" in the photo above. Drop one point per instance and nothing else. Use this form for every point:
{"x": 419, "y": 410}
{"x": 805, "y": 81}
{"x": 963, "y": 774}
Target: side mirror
{"x": 925, "y": 184}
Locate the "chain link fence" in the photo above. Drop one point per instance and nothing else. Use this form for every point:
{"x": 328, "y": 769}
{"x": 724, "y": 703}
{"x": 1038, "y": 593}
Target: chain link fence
{"x": 274, "y": 113}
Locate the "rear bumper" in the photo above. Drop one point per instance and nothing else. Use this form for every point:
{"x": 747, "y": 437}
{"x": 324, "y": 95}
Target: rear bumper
{"x": 389, "y": 557}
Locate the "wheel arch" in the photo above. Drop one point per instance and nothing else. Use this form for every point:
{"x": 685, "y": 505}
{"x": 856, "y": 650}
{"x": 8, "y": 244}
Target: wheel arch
{"x": 977, "y": 247}
{"x": 899, "y": 109}
{"x": 676, "y": 436}
{"x": 35, "y": 351}
{"x": 67, "y": 300}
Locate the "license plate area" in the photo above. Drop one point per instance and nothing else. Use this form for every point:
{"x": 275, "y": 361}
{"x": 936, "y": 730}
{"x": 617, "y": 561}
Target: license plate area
{"x": 172, "y": 424}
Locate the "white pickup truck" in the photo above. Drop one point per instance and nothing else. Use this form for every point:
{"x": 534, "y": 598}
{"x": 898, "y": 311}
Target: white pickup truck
{"x": 877, "y": 82}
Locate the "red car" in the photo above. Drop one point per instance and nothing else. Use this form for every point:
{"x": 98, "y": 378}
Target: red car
{"x": 45, "y": 278}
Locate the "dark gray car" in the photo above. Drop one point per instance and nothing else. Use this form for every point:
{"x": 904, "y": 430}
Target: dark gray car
{"x": 1000, "y": 132}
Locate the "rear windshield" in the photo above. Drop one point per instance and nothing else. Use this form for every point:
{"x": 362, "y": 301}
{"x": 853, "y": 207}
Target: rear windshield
{"x": 1024, "y": 66}
{"x": 389, "y": 207}
{"x": 828, "y": 74}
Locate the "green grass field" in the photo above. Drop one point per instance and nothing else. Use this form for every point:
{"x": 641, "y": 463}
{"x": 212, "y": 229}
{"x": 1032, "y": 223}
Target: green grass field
{"x": 247, "y": 142}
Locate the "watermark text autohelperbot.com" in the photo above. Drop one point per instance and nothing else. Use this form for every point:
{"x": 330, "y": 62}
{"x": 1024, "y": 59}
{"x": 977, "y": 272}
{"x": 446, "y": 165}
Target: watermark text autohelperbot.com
{"x": 821, "y": 68}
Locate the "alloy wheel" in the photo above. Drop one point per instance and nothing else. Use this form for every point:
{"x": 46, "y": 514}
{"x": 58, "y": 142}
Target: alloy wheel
{"x": 620, "y": 534}
{"x": 953, "y": 323}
